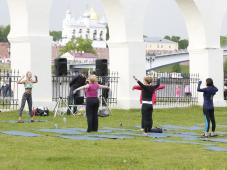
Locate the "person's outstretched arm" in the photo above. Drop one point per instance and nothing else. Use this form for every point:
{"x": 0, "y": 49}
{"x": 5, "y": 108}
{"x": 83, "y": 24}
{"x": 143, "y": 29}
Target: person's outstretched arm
{"x": 139, "y": 82}
{"x": 81, "y": 88}
{"x": 103, "y": 87}
{"x": 36, "y": 80}
{"x": 136, "y": 88}
{"x": 21, "y": 80}
{"x": 199, "y": 87}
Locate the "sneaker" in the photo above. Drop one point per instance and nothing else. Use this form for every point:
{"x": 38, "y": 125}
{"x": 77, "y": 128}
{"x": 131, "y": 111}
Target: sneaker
{"x": 20, "y": 121}
{"x": 213, "y": 134}
{"x": 205, "y": 135}
{"x": 145, "y": 134}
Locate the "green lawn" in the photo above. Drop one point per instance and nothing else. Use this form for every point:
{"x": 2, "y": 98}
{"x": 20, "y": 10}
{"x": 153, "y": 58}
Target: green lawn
{"x": 51, "y": 152}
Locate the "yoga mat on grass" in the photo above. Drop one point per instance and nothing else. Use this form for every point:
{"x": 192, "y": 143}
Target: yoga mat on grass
{"x": 214, "y": 148}
{"x": 81, "y": 138}
{"x": 20, "y": 133}
{"x": 66, "y": 131}
{"x": 111, "y": 136}
{"x": 25, "y": 121}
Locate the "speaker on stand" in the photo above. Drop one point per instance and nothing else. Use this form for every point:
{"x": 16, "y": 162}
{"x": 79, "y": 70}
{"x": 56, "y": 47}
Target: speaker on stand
{"x": 101, "y": 67}
{"x": 60, "y": 66}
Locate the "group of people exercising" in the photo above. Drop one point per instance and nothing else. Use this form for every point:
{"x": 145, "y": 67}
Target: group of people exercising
{"x": 147, "y": 100}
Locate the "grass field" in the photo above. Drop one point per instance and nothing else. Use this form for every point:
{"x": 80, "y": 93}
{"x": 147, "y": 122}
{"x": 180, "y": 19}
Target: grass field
{"x": 49, "y": 152}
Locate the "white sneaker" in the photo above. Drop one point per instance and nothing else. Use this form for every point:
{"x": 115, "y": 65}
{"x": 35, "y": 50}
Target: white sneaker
{"x": 205, "y": 135}
{"x": 212, "y": 134}
{"x": 145, "y": 134}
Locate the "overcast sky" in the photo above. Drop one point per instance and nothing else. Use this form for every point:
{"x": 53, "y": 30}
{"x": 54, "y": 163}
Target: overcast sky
{"x": 162, "y": 18}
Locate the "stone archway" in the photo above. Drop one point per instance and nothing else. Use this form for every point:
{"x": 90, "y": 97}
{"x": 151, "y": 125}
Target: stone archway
{"x": 127, "y": 49}
{"x": 204, "y": 21}
{"x": 31, "y": 43}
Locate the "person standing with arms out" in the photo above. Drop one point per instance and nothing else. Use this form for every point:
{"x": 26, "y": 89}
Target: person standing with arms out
{"x": 147, "y": 105}
{"x": 154, "y": 97}
{"x": 92, "y": 102}
{"x": 208, "y": 106}
{"x": 27, "y": 96}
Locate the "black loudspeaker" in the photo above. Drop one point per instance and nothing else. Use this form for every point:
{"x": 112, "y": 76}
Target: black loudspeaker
{"x": 101, "y": 67}
{"x": 60, "y": 66}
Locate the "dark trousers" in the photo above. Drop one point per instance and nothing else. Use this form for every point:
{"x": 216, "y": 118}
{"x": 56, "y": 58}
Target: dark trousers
{"x": 209, "y": 117}
{"x": 92, "y": 106}
{"x": 147, "y": 121}
{"x": 26, "y": 97}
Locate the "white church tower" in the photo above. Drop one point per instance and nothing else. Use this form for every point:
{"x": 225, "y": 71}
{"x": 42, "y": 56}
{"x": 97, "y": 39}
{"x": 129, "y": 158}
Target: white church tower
{"x": 87, "y": 26}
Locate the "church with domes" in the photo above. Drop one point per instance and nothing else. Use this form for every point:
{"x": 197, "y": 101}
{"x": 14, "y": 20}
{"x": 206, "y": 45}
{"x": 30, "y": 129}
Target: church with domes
{"x": 87, "y": 26}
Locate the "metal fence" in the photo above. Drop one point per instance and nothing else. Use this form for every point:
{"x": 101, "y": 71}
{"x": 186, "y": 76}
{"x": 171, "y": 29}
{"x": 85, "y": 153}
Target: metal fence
{"x": 180, "y": 90}
{"x": 8, "y": 90}
{"x": 61, "y": 88}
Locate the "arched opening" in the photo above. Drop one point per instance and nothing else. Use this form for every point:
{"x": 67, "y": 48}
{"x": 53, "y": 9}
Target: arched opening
{"x": 79, "y": 19}
{"x": 165, "y": 33}
{"x": 223, "y": 44}
{"x": 4, "y": 31}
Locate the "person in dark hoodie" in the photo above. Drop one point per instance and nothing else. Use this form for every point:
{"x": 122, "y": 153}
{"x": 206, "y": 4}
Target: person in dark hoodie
{"x": 208, "y": 106}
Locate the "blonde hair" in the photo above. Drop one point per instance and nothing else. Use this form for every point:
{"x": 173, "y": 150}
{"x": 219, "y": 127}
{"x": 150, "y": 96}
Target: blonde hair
{"x": 148, "y": 79}
{"x": 92, "y": 78}
{"x": 28, "y": 72}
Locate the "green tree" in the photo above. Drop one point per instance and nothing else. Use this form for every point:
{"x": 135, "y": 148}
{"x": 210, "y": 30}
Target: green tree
{"x": 223, "y": 41}
{"x": 4, "y": 32}
{"x": 167, "y": 37}
{"x": 175, "y": 39}
{"x": 183, "y": 44}
{"x": 107, "y": 33}
{"x": 225, "y": 68}
{"x": 78, "y": 45}
{"x": 57, "y": 35}
{"x": 176, "y": 68}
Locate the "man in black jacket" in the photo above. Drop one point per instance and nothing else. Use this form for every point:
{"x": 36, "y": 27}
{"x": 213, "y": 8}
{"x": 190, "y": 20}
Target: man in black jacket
{"x": 74, "y": 99}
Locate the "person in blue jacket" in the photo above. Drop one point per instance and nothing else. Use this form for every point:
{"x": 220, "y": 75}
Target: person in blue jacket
{"x": 208, "y": 106}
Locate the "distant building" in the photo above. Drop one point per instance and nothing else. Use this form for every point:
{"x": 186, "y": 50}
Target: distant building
{"x": 156, "y": 45}
{"x": 87, "y": 26}
{"x": 4, "y": 52}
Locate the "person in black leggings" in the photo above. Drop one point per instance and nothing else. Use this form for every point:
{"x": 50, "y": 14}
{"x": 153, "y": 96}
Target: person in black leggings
{"x": 147, "y": 106}
{"x": 208, "y": 106}
{"x": 92, "y": 102}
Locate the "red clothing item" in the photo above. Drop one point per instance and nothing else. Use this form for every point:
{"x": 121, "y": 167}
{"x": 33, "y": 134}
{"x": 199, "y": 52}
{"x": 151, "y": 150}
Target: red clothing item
{"x": 154, "y": 98}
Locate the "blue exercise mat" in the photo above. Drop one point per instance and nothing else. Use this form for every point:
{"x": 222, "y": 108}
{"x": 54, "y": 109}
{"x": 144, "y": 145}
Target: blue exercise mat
{"x": 185, "y": 135}
{"x": 111, "y": 136}
{"x": 20, "y": 133}
{"x": 117, "y": 129}
{"x": 123, "y": 133}
{"x": 81, "y": 138}
{"x": 174, "y": 127}
{"x": 214, "y": 148}
{"x": 154, "y": 135}
{"x": 25, "y": 121}
{"x": 216, "y": 140}
{"x": 66, "y": 131}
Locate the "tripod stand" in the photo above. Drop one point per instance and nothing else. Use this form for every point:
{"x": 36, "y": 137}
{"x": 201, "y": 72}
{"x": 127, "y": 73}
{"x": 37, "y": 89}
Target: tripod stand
{"x": 103, "y": 112}
{"x": 60, "y": 103}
